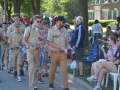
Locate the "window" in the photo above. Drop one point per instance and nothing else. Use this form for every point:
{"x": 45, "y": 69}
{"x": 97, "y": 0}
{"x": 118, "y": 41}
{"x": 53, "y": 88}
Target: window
{"x": 114, "y": 13}
{"x": 115, "y": 0}
{"x": 90, "y": 15}
{"x": 105, "y": 14}
{"x": 97, "y": 2}
{"x": 90, "y": 2}
{"x": 105, "y": 1}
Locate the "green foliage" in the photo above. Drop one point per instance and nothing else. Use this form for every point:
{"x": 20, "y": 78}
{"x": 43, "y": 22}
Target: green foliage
{"x": 26, "y": 8}
{"x": 71, "y": 21}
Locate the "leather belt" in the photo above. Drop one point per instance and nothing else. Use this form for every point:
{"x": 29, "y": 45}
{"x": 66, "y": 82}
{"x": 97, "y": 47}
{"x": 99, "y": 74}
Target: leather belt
{"x": 57, "y": 51}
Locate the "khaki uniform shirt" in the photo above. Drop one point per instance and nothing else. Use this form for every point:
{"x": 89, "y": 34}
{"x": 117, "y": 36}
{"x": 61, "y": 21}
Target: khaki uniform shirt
{"x": 31, "y": 34}
{"x": 15, "y": 38}
{"x": 58, "y": 37}
{"x": 3, "y": 43}
{"x": 11, "y": 28}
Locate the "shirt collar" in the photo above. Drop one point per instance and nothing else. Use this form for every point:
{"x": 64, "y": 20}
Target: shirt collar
{"x": 16, "y": 32}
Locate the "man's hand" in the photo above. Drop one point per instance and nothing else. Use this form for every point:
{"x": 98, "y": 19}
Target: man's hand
{"x": 62, "y": 48}
{"x": 74, "y": 47}
{"x": 31, "y": 48}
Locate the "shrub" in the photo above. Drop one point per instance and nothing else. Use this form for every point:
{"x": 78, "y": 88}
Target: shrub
{"x": 71, "y": 21}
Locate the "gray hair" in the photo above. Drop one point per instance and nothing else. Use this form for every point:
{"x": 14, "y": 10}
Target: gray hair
{"x": 79, "y": 19}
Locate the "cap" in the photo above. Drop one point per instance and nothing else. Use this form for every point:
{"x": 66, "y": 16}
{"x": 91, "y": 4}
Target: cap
{"x": 17, "y": 14}
{"x": 4, "y": 23}
{"x": 44, "y": 22}
{"x": 16, "y": 24}
{"x": 61, "y": 18}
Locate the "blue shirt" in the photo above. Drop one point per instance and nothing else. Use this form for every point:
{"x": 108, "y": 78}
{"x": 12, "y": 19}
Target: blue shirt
{"x": 118, "y": 27}
{"x": 78, "y": 36}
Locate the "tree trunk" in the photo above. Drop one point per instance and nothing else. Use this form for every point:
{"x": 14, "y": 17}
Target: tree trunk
{"x": 35, "y": 6}
{"x": 83, "y": 8}
{"x": 38, "y": 7}
{"x": 17, "y": 5}
{"x": 9, "y": 10}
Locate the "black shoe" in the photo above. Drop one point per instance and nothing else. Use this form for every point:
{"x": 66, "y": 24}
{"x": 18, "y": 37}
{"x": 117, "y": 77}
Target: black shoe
{"x": 15, "y": 73}
{"x": 51, "y": 86}
{"x": 66, "y": 89}
{"x": 79, "y": 76}
{"x": 40, "y": 81}
{"x": 45, "y": 75}
{"x": 21, "y": 73}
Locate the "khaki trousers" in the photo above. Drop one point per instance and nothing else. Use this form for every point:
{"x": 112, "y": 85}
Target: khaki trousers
{"x": 32, "y": 57}
{"x": 59, "y": 58}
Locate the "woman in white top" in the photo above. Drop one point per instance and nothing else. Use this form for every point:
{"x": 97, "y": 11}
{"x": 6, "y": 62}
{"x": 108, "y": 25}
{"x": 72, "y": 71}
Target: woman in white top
{"x": 97, "y": 31}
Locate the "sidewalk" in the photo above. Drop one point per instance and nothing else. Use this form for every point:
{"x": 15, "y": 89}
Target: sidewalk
{"x": 74, "y": 84}
{"x": 11, "y": 83}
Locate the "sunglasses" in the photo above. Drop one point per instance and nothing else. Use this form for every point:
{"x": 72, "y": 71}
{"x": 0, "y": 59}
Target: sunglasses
{"x": 38, "y": 21}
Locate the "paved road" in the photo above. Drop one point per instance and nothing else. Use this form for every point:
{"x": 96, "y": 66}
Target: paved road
{"x": 11, "y": 83}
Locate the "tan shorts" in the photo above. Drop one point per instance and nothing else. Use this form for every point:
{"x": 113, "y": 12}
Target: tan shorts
{"x": 16, "y": 57}
{"x": 5, "y": 52}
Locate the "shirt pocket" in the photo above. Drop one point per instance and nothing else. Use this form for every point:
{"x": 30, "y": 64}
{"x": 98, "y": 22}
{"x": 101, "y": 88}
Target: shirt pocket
{"x": 56, "y": 38}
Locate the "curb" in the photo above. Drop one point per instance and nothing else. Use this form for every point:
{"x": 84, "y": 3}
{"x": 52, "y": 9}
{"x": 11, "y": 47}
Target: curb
{"x": 77, "y": 83}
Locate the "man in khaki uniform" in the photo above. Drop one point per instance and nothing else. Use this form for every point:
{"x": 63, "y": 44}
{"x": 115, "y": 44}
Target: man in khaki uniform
{"x": 30, "y": 39}
{"x": 46, "y": 49}
{"x": 57, "y": 39}
{"x": 16, "y": 18}
{"x": 4, "y": 45}
{"x": 15, "y": 42}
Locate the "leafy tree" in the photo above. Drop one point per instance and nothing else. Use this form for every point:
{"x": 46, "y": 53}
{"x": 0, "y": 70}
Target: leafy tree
{"x": 26, "y": 8}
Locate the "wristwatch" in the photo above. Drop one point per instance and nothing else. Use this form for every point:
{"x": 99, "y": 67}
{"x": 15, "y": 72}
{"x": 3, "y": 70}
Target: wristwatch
{"x": 28, "y": 46}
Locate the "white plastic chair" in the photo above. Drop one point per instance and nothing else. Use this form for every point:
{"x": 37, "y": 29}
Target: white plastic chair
{"x": 115, "y": 75}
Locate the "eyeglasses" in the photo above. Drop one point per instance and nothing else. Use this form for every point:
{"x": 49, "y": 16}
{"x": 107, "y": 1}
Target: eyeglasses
{"x": 38, "y": 21}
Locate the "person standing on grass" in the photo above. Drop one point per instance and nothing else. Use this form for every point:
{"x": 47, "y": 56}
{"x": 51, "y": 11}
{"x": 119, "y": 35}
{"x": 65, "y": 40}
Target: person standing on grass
{"x": 97, "y": 31}
{"x": 77, "y": 42}
{"x": 118, "y": 27}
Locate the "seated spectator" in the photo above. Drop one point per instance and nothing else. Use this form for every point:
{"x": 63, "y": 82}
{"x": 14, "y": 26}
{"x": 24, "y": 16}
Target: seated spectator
{"x": 95, "y": 65}
{"x": 108, "y": 32}
{"x": 98, "y": 70}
